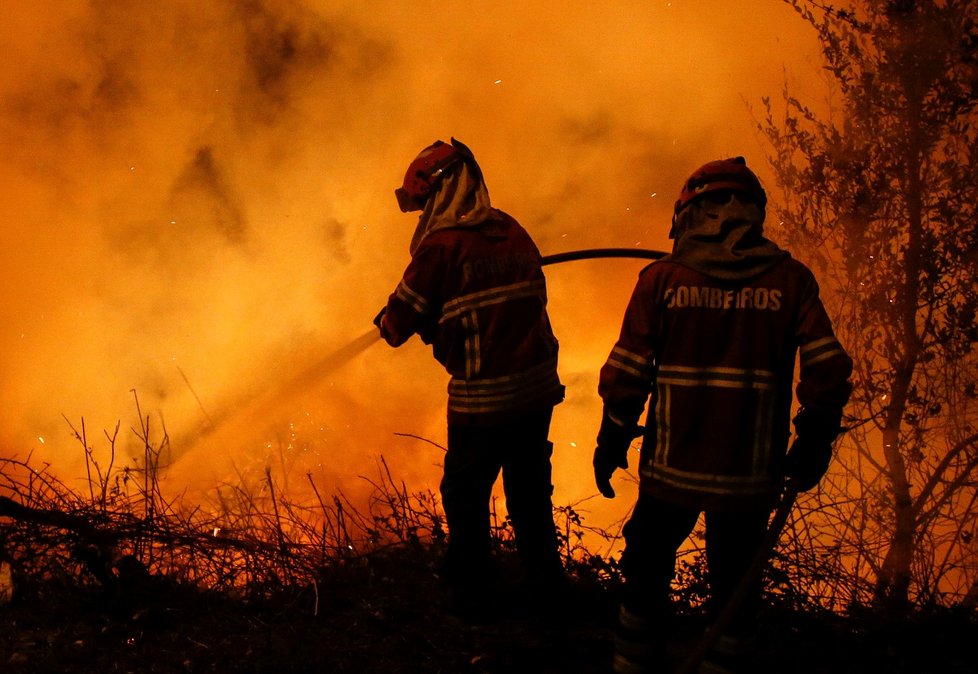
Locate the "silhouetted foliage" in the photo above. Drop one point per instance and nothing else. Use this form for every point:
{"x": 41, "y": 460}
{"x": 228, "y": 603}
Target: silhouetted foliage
{"x": 112, "y": 576}
{"x": 880, "y": 196}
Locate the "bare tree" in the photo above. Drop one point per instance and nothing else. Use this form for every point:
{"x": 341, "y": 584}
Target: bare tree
{"x": 880, "y": 194}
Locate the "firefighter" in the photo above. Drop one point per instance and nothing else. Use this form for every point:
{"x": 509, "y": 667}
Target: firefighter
{"x": 709, "y": 340}
{"x": 475, "y": 291}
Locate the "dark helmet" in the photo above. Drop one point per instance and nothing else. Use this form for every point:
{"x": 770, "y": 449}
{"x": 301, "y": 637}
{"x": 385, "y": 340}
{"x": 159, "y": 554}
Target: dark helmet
{"x": 426, "y": 170}
{"x": 728, "y": 175}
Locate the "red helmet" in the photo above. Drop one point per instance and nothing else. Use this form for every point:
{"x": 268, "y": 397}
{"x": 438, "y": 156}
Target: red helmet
{"x": 425, "y": 171}
{"x": 722, "y": 175}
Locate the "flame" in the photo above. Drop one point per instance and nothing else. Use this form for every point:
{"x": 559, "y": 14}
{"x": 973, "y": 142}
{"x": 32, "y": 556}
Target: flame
{"x": 210, "y": 186}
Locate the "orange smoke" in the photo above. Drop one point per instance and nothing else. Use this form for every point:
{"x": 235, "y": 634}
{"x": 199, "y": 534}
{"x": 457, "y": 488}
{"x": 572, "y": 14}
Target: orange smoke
{"x": 198, "y": 205}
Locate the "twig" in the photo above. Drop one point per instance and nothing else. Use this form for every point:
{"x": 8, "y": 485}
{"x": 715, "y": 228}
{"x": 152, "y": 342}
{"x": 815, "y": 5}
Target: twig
{"x": 418, "y": 437}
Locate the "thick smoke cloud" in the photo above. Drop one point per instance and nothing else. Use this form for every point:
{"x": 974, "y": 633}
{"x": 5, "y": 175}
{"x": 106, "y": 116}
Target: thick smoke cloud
{"x": 198, "y": 207}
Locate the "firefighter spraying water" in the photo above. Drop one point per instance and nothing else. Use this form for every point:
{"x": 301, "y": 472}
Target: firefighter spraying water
{"x": 475, "y": 291}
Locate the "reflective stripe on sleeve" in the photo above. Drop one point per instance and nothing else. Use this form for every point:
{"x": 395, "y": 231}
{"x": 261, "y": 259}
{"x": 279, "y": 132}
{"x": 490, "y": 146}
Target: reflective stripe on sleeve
{"x": 819, "y": 350}
{"x": 404, "y": 293}
{"x": 630, "y": 362}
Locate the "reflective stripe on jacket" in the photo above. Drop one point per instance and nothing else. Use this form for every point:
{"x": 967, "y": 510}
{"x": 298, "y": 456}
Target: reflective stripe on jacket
{"x": 479, "y": 297}
{"x": 716, "y": 358}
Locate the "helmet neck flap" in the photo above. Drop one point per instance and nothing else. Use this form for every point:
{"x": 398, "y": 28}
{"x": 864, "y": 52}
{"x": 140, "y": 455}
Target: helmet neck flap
{"x": 445, "y": 183}
{"x": 718, "y": 223}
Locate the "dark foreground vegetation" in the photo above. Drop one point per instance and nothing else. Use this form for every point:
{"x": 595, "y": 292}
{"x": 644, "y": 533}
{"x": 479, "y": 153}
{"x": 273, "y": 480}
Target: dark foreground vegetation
{"x": 117, "y": 579}
{"x": 385, "y": 613}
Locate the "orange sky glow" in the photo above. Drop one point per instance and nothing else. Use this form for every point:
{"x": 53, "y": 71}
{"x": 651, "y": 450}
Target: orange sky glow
{"x": 197, "y": 204}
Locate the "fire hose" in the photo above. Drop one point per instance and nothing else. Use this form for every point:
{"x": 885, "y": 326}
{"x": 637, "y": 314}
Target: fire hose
{"x": 592, "y": 253}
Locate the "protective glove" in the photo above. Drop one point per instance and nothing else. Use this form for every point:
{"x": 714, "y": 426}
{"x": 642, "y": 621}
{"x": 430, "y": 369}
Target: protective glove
{"x": 611, "y": 452}
{"x": 811, "y": 452}
{"x": 821, "y": 426}
{"x": 807, "y": 461}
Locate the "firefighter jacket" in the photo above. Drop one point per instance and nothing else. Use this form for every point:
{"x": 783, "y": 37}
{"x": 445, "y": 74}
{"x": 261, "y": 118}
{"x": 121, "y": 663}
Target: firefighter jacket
{"x": 715, "y": 360}
{"x": 478, "y": 296}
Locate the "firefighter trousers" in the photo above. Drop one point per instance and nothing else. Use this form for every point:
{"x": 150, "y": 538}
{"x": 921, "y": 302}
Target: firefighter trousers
{"x": 520, "y": 449}
{"x": 654, "y": 533}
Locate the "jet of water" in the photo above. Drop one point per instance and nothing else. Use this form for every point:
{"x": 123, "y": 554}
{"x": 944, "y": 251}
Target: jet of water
{"x": 246, "y": 419}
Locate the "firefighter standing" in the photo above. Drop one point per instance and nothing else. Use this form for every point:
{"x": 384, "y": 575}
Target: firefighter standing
{"x": 475, "y": 291}
{"x": 709, "y": 339}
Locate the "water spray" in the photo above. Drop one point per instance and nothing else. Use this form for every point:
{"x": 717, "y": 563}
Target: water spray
{"x": 252, "y": 412}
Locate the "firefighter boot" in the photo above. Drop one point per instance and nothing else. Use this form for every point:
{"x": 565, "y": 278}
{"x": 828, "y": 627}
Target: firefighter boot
{"x": 639, "y": 648}
{"x": 731, "y": 654}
